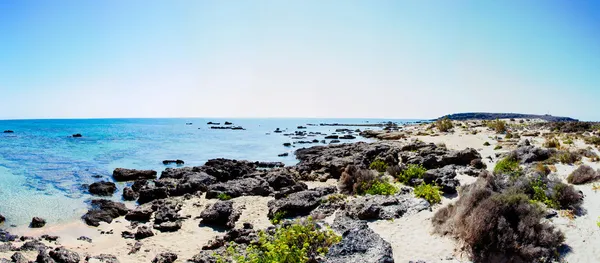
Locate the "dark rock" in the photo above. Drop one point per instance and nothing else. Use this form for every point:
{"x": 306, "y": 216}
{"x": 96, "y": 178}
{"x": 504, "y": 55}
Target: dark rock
{"x": 380, "y": 207}
{"x": 444, "y": 177}
{"x": 280, "y": 179}
{"x": 77, "y": 135}
{"x": 463, "y": 157}
{"x": 49, "y": 238}
{"x": 166, "y": 257}
{"x": 300, "y": 203}
{"x": 213, "y": 123}
{"x": 17, "y": 257}
{"x": 360, "y": 244}
{"x": 283, "y": 155}
{"x": 244, "y": 236}
{"x": 334, "y": 141}
{"x": 220, "y": 214}
{"x": 2, "y": 219}
{"x": 127, "y": 235}
{"x": 168, "y": 226}
{"x": 140, "y": 184}
{"x": 102, "y": 258}
{"x": 104, "y": 211}
{"x": 63, "y": 255}
{"x": 226, "y": 169}
{"x": 140, "y": 214}
{"x": 228, "y": 123}
{"x": 332, "y": 137}
{"x": 8, "y": 131}
{"x": 203, "y": 257}
{"x": 269, "y": 164}
{"x": 6, "y": 237}
{"x": 44, "y": 257}
{"x": 478, "y": 164}
{"x": 129, "y": 194}
{"x": 151, "y": 193}
{"x": 285, "y": 191}
{"x": 37, "y": 222}
{"x": 122, "y": 174}
{"x": 287, "y": 144}
{"x": 347, "y": 137}
{"x": 103, "y": 188}
{"x": 135, "y": 248}
{"x": 84, "y": 238}
{"x": 530, "y": 154}
{"x": 240, "y": 187}
{"x": 178, "y": 162}
{"x": 33, "y": 245}
{"x": 143, "y": 232}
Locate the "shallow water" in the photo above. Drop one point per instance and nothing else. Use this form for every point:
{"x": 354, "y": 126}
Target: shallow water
{"x": 42, "y": 167}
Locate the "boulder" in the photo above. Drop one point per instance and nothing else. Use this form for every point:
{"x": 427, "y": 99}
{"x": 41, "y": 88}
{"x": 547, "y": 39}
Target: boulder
{"x": 220, "y": 214}
{"x": 151, "y": 193}
{"x": 143, "y": 232}
{"x": 530, "y": 154}
{"x": 381, "y": 207}
{"x": 359, "y": 244}
{"x": 103, "y": 188}
{"x": 300, "y": 203}
{"x": 104, "y": 211}
{"x": 240, "y": 187}
{"x": 444, "y": 177}
{"x": 139, "y": 184}
{"x": 122, "y": 174}
{"x": 17, "y": 257}
{"x": 166, "y": 257}
{"x": 37, "y": 222}
{"x": 2, "y": 219}
{"x": 33, "y": 245}
{"x": 63, "y": 255}
{"x": 140, "y": 214}
{"x": 168, "y": 226}
{"x": 225, "y": 169}
{"x": 129, "y": 194}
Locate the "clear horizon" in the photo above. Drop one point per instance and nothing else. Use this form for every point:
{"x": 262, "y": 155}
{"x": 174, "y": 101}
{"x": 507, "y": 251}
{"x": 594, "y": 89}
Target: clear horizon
{"x": 297, "y": 59}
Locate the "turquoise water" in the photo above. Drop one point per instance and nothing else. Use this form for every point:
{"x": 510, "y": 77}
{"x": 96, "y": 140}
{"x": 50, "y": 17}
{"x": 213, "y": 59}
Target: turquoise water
{"x": 42, "y": 167}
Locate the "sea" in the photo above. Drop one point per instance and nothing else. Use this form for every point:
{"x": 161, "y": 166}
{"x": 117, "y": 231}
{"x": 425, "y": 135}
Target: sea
{"x": 43, "y": 167}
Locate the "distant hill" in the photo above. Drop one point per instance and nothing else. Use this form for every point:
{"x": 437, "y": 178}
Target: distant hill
{"x": 493, "y": 116}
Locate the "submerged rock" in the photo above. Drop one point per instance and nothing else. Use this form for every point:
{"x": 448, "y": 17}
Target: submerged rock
{"x": 122, "y": 174}
{"x": 178, "y": 162}
{"x": 77, "y": 135}
{"x": 37, "y": 222}
{"x": 102, "y": 188}
{"x": 104, "y": 211}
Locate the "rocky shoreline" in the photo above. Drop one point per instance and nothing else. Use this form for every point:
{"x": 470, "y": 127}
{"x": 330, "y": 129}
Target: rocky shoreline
{"x": 202, "y": 213}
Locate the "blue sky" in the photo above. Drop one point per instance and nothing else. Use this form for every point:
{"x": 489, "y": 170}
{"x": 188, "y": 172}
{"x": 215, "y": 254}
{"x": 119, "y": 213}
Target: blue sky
{"x": 386, "y": 59}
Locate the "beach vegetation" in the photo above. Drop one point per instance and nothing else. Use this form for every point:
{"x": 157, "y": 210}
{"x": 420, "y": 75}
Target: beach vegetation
{"x": 508, "y": 166}
{"x": 413, "y": 171}
{"x": 429, "y": 192}
{"x": 300, "y": 242}
{"x": 224, "y": 197}
{"x": 566, "y": 157}
{"x": 379, "y": 187}
{"x": 593, "y": 140}
{"x": 354, "y": 179}
{"x": 277, "y": 217}
{"x": 335, "y": 198}
{"x": 497, "y": 125}
{"x": 498, "y": 147}
{"x": 486, "y": 144}
{"x": 444, "y": 124}
{"x": 542, "y": 169}
{"x": 552, "y": 143}
{"x": 582, "y": 175}
{"x": 509, "y": 135}
{"x": 378, "y": 165}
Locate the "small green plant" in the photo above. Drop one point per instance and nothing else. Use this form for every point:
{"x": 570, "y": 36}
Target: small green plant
{"x": 568, "y": 141}
{"x": 509, "y": 166}
{"x": 381, "y": 187}
{"x": 224, "y": 197}
{"x": 431, "y": 193}
{"x": 334, "y": 198}
{"x": 508, "y": 135}
{"x": 598, "y": 222}
{"x": 567, "y": 157}
{"x": 413, "y": 171}
{"x": 300, "y": 242}
{"x": 539, "y": 194}
{"x": 277, "y": 217}
{"x": 594, "y": 140}
{"x": 444, "y": 124}
{"x": 378, "y": 165}
{"x": 486, "y": 144}
{"x": 498, "y": 147}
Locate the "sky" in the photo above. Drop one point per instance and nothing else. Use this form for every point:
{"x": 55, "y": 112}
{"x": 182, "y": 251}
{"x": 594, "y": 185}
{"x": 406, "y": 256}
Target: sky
{"x": 310, "y": 58}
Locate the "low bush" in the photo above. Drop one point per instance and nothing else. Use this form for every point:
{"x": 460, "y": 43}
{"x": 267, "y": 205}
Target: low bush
{"x": 444, "y": 124}
{"x": 498, "y": 147}
{"x": 378, "y": 165}
{"x": 486, "y": 144}
{"x": 277, "y": 217}
{"x": 413, "y": 171}
{"x": 542, "y": 169}
{"x": 431, "y": 193}
{"x": 583, "y": 174}
{"x": 224, "y": 196}
{"x": 379, "y": 187}
{"x": 498, "y": 126}
{"x": 539, "y": 194}
{"x": 353, "y": 179}
{"x": 499, "y": 224}
{"x": 508, "y": 166}
{"x": 394, "y": 170}
{"x": 552, "y": 143}
{"x": 300, "y": 242}
{"x": 568, "y": 141}
{"x": 508, "y": 135}
{"x": 567, "y": 157}
{"x": 594, "y": 140}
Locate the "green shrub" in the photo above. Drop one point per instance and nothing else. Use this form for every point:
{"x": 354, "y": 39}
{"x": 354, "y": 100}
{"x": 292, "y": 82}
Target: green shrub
{"x": 444, "y": 124}
{"x": 335, "y": 198}
{"x": 498, "y": 126}
{"x": 568, "y": 141}
{"x": 508, "y": 135}
{"x": 486, "y": 144}
{"x": 378, "y": 165}
{"x": 380, "y": 187}
{"x": 595, "y": 140}
{"x": 431, "y": 193}
{"x": 582, "y": 175}
{"x": 498, "y": 147}
{"x": 509, "y": 166}
{"x": 277, "y": 217}
{"x": 353, "y": 179}
{"x": 567, "y": 157}
{"x": 300, "y": 242}
{"x": 413, "y": 171}
{"x": 224, "y": 196}
{"x": 539, "y": 194}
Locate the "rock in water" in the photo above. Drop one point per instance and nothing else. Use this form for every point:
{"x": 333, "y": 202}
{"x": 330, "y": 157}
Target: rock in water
{"x": 178, "y": 162}
{"x": 8, "y": 131}
{"x": 122, "y": 174}
{"x": 129, "y": 194}
{"x": 37, "y": 222}
{"x": 166, "y": 257}
{"x": 103, "y": 188}
{"x": 2, "y": 219}
{"x": 77, "y": 135}
{"x": 104, "y": 211}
